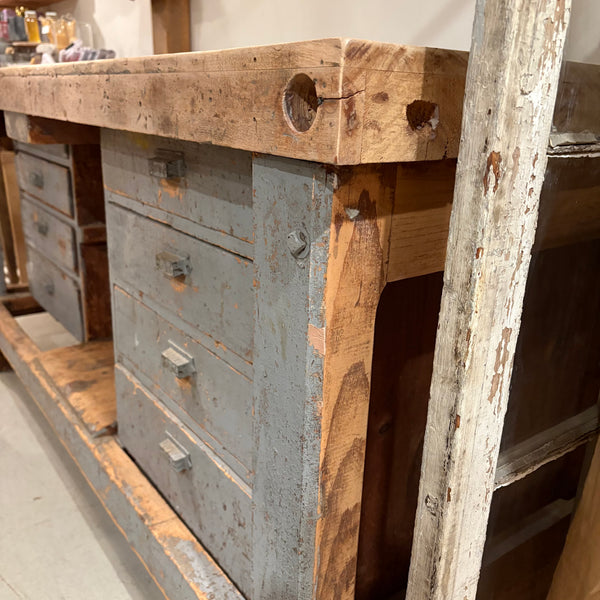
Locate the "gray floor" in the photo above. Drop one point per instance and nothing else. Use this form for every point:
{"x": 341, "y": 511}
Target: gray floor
{"x": 56, "y": 540}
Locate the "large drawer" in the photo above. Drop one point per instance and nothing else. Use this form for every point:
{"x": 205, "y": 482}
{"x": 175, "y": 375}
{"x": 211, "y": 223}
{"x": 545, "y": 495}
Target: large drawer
{"x": 215, "y": 292}
{"x": 214, "y": 188}
{"x": 47, "y": 181}
{"x": 55, "y": 291}
{"x": 48, "y": 234}
{"x": 212, "y": 393}
{"x": 215, "y": 505}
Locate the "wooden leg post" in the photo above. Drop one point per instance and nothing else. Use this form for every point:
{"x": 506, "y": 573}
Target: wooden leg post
{"x": 510, "y": 94}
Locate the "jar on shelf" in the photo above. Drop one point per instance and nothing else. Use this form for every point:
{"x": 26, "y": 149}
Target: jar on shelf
{"x": 32, "y": 26}
{"x": 49, "y": 23}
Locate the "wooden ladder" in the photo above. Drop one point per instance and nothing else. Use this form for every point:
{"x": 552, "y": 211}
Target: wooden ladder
{"x": 514, "y": 67}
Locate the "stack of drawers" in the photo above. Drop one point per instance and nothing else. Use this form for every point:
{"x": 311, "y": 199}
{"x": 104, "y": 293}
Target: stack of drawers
{"x": 179, "y": 219}
{"x": 63, "y": 222}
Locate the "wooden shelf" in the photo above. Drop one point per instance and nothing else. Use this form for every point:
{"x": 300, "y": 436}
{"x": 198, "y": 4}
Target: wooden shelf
{"x": 29, "y": 4}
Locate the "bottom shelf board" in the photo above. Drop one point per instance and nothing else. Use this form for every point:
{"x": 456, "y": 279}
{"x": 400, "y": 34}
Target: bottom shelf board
{"x": 177, "y": 562}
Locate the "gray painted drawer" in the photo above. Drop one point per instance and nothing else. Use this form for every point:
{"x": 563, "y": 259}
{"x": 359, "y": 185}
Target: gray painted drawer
{"x": 48, "y": 234}
{"x": 214, "y": 395}
{"x": 216, "y": 296}
{"x": 48, "y": 151}
{"x": 215, "y": 189}
{"x": 55, "y": 291}
{"x": 215, "y": 505}
{"x": 47, "y": 181}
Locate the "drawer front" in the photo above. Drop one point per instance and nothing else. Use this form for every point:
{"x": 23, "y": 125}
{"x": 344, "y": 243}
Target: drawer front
{"x": 213, "y": 394}
{"x": 48, "y": 151}
{"x": 49, "y": 235}
{"x": 55, "y": 291}
{"x": 214, "y": 505}
{"x": 206, "y": 184}
{"x": 209, "y": 288}
{"x": 46, "y": 181}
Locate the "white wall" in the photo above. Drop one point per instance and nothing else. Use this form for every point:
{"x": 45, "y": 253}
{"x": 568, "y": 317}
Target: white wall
{"x": 229, "y": 23}
{"x": 126, "y": 25}
{"x": 121, "y": 25}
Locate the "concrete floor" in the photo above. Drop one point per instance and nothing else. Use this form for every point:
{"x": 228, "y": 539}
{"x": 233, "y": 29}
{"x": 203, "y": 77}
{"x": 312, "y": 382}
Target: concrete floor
{"x": 56, "y": 540}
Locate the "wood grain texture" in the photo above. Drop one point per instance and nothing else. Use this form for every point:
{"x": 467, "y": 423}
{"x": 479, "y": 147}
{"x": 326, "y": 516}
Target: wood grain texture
{"x": 376, "y": 102}
{"x": 11, "y": 189}
{"x": 38, "y": 130}
{"x": 171, "y": 26}
{"x": 569, "y": 211}
{"x": 179, "y": 565}
{"x": 84, "y": 376}
{"x": 356, "y": 275}
{"x": 512, "y": 80}
{"x": 577, "y": 573}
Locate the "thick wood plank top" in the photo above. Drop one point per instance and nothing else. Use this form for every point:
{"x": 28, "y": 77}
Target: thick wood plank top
{"x": 336, "y": 101}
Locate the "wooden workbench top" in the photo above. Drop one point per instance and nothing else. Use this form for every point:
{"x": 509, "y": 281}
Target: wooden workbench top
{"x": 336, "y": 101}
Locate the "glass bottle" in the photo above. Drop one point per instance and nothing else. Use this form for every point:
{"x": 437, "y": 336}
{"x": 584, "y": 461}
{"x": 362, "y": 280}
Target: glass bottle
{"x": 49, "y": 27}
{"x": 62, "y": 34}
{"x": 32, "y": 26}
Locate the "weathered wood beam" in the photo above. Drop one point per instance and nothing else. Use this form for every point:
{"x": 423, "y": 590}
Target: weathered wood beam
{"x": 533, "y": 453}
{"x": 511, "y": 89}
{"x": 20, "y": 303}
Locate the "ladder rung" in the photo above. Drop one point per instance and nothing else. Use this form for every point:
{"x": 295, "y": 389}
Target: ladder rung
{"x": 546, "y": 446}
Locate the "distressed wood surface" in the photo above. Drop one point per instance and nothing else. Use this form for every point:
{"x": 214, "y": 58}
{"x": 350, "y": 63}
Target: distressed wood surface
{"x": 577, "y": 573}
{"x": 56, "y": 291}
{"x": 83, "y": 376}
{"x": 8, "y": 180}
{"x": 372, "y": 102}
{"x": 20, "y": 303}
{"x": 50, "y": 236}
{"x": 215, "y": 503}
{"x": 46, "y": 181}
{"x": 569, "y": 211}
{"x": 512, "y": 80}
{"x": 212, "y": 200}
{"x": 215, "y": 402}
{"x": 216, "y": 296}
{"x": 38, "y": 130}
{"x": 356, "y": 275}
{"x": 179, "y": 565}
{"x": 533, "y": 453}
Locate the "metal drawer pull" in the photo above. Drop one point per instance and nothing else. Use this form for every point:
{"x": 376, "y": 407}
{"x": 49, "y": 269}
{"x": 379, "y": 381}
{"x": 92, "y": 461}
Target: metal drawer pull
{"x": 42, "y": 228}
{"x": 36, "y": 179}
{"x": 49, "y": 288}
{"x": 167, "y": 164}
{"x": 178, "y": 362}
{"x": 179, "y": 457}
{"x": 173, "y": 264}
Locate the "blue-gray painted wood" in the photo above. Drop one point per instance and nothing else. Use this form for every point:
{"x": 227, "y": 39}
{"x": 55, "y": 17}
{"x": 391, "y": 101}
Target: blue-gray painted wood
{"x": 216, "y": 399}
{"x": 214, "y": 192}
{"x": 49, "y": 182}
{"x": 217, "y": 297}
{"x": 54, "y": 152}
{"x": 56, "y": 291}
{"x": 49, "y": 235}
{"x": 215, "y": 503}
{"x": 288, "y": 373}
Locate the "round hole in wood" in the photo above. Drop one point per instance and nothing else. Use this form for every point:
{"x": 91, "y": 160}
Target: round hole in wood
{"x": 300, "y": 102}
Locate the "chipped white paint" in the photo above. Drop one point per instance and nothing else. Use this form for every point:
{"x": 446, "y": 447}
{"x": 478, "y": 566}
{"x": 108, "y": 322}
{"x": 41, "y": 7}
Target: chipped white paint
{"x": 511, "y": 89}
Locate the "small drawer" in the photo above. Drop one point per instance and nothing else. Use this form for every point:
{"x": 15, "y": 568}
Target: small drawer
{"x": 55, "y": 291}
{"x": 213, "y": 394}
{"x": 46, "y": 181}
{"x": 215, "y": 505}
{"x": 49, "y": 151}
{"x": 206, "y": 184}
{"x": 48, "y": 234}
{"x": 209, "y": 288}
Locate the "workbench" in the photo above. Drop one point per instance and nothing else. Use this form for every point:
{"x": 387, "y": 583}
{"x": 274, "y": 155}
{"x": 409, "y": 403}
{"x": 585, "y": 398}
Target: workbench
{"x": 277, "y": 221}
